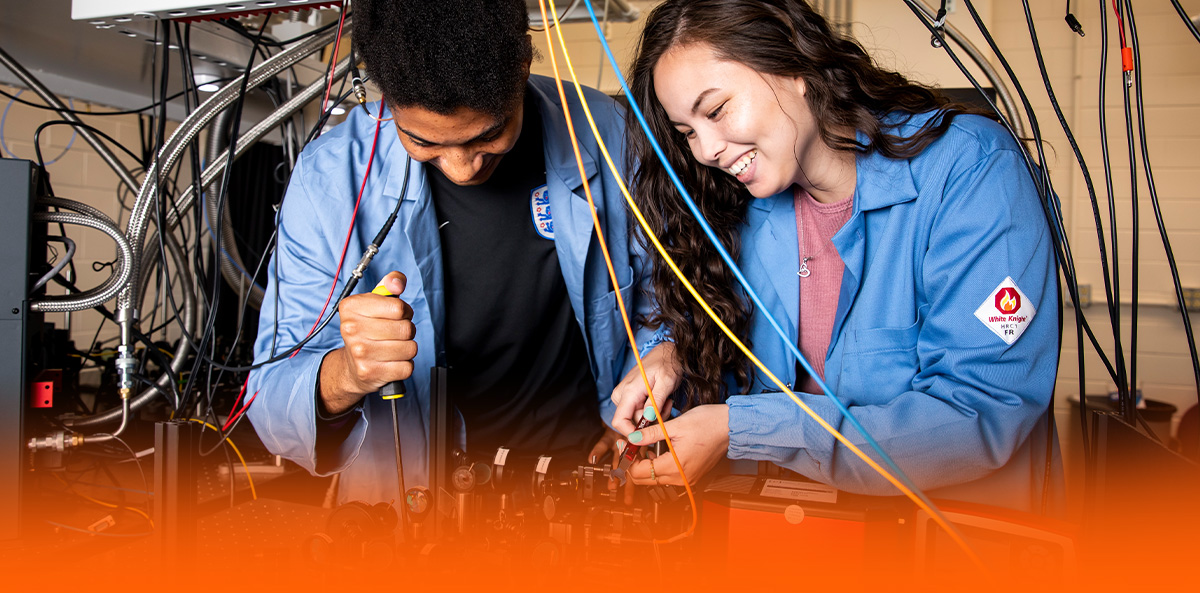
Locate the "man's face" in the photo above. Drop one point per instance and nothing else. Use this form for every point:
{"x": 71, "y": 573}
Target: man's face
{"x": 465, "y": 145}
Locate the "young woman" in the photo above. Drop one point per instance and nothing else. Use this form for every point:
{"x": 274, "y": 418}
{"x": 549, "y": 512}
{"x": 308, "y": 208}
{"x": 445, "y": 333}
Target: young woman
{"x": 898, "y": 238}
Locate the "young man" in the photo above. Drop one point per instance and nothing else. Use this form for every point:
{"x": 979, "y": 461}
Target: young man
{"x": 494, "y": 256}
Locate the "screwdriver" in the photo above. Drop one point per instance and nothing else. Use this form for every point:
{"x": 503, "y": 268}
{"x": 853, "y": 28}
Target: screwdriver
{"x": 392, "y": 392}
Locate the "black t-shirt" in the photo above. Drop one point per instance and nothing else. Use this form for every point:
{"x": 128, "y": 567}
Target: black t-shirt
{"x": 519, "y": 370}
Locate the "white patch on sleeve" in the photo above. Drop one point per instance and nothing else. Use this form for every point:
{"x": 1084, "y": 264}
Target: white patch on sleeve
{"x": 1006, "y": 311}
{"x": 539, "y": 209}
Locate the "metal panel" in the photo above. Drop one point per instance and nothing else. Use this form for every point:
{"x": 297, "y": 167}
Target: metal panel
{"x": 16, "y": 194}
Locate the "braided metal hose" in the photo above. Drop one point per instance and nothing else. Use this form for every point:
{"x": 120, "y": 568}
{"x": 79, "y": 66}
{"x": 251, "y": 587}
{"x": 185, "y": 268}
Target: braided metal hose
{"x": 95, "y": 296}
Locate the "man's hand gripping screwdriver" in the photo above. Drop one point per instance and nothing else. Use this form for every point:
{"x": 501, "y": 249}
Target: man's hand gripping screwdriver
{"x": 392, "y": 392}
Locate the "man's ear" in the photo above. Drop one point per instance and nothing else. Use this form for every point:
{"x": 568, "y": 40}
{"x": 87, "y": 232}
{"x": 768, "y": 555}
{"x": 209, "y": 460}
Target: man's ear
{"x": 529, "y": 61}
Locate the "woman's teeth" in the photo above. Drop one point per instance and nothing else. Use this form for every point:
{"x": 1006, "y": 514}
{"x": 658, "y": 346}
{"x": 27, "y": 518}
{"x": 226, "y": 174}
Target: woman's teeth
{"x": 740, "y": 166}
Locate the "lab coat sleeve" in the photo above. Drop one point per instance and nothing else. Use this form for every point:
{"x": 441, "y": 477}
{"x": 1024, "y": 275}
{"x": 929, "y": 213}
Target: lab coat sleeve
{"x": 284, "y": 408}
{"x": 641, "y": 303}
{"x": 973, "y": 398}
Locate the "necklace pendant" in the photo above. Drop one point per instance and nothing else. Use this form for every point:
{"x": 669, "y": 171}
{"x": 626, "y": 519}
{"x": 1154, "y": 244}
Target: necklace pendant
{"x": 804, "y": 271}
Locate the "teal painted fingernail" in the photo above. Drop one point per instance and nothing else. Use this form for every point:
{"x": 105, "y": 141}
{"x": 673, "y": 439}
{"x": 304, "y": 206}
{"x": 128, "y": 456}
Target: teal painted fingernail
{"x": 635, "y": 437}
{"x": 649, "y": 414}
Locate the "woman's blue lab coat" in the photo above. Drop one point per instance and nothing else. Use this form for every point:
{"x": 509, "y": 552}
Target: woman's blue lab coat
{"x": 920, "y": 352}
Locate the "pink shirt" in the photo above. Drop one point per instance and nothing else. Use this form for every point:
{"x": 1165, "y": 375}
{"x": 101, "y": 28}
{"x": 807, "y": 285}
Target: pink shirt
{"x": 816, "y": 223}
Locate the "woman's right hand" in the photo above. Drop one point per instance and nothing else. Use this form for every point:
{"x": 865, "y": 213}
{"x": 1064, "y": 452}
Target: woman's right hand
{"x": 662, "y": 372}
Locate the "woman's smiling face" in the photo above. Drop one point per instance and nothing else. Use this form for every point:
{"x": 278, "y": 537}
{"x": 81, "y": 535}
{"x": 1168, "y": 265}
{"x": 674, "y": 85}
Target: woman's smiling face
{"x": 756, "y": 127}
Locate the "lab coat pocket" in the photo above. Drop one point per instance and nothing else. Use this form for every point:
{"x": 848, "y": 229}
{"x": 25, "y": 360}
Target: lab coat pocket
{"x": 606, "y": 333}
{"x": 880, "y": 362}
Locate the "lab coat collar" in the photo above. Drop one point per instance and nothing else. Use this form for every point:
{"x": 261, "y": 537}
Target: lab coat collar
{"x": 880, "y": 182}
{"x": 560, "y": 157}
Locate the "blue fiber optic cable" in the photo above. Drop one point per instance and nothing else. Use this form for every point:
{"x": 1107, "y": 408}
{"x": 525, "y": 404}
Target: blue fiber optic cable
{"x": 737, "y": 272}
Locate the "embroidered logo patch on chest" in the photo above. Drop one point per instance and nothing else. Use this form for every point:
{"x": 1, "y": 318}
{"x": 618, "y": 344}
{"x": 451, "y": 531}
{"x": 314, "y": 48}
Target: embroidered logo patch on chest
{"x": 1006, "y": 311}
{"x": 539, "y": 208}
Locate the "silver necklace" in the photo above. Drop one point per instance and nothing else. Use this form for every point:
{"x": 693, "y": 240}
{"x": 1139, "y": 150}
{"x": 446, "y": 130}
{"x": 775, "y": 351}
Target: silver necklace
{"x": 804, "y": 271}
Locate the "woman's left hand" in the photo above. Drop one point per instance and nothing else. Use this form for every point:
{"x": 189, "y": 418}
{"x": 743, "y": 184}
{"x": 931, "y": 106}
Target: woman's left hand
{"x": 700, "y": 437}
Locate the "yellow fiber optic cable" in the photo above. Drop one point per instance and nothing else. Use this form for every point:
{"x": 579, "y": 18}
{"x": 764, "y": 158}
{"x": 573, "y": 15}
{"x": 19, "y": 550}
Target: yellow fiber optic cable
{"x": 253, "y": 492}
{"x": 105, "y": 503}
{"x": 741, "y": 346}
{"x": 604, "y": 248}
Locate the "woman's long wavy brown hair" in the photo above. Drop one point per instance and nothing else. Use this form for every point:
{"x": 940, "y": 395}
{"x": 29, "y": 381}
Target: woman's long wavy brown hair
{"x": 845, "y": 91}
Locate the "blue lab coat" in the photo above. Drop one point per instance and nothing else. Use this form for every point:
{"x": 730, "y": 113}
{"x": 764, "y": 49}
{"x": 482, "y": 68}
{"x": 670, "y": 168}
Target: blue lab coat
{"x": 315, "y": 217}
{"x": 930, "y": 240}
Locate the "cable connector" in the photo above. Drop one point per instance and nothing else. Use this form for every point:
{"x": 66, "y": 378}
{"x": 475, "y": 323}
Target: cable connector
{"x": 1127, "y": 65}
{"x": 368, "y": 255}
{"x": 360, "y": 90}
{"x": 125, "y": 363}
{"x": 939, "y": 25}
{"x": 59, "y": 441}
{"x": 1073, "y": 23}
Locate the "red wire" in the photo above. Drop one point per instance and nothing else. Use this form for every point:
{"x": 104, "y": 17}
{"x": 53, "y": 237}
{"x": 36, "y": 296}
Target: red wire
{"x": 1120, "y": 22}
{"x": 235, "y": 412}
{"x": 349, "y": 232}
{"x": 345, "y": 246}
{"x": 333, "y": 60}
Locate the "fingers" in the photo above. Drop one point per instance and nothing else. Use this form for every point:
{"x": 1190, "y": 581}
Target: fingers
{"x": 601, "y": 447}
{"x": 379, "y": 336}
{"x": 355, "y": 327}
{"x": 375, "y": 306}
{"x": 382, "y": 351}
{"x": 647, "y": 436}
{"x": 395, "y": 282}
{"x": 629, "y": 401}
{"x": 664, "y": 472}
{"x": 374, "y": 375}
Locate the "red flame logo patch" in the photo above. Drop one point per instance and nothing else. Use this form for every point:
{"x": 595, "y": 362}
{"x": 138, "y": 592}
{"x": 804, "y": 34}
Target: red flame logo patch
{"x": 1008, "y": 300}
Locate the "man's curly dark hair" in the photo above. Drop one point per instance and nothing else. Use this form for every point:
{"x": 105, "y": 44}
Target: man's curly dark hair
{"x": 445, "y": 54}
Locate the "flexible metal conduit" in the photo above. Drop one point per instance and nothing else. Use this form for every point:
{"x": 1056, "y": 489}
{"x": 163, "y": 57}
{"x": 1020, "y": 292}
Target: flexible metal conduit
{"x": 1002, "y": 92}
{"x": 231, "y": 260}
{"x": 80, "y": 207}
{"x": 89, "y": 298}
{"x": 285, "y": 111}
{"x": 174, "y": 147}
{"x": 189, "y": 309}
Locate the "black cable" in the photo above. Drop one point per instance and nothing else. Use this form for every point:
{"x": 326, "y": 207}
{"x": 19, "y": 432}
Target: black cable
{"x": 1114, "y": 303}
{"x": 238, "y": 28}
{"x": 37, "y": 148}
{"x": 1186, "y": 20}
{"x": 315, "y": 131}
{"x": 267, "y": 252}
{"x": 373, "y": 248}
{"x": 1039, "y": 176}
{"x": 350, "y": 285}
{"x": 139, "y": 336}
{"x": 1162, "y": 229}
{"x": 1087, "y": 177}
{"x": 1128, "y": 397}
{"x": 1073, "y": 22}
{"x": 77, "y": 112}
{"x": 159, "y": 132}
{"x": 222, "y": 191}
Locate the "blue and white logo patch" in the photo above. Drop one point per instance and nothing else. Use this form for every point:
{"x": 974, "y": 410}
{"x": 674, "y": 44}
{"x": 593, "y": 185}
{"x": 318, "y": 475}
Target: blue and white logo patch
{"x": 539, "y": 208}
